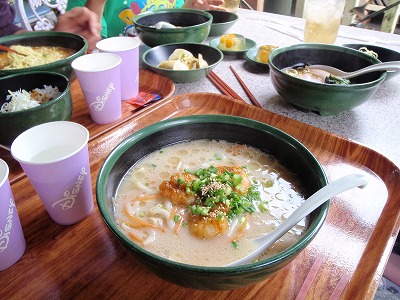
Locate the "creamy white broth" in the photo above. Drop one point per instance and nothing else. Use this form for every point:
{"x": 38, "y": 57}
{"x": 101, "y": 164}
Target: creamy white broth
{"x": 138, "y": 195}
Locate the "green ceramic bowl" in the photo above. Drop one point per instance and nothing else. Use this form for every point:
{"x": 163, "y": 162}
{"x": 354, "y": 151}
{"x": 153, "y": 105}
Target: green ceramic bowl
{"x": 384, "y": 55}
{"x": 154, "y": 56}
{"x": 222, "y": 127}
{"x": 193, "y": 26}
{"x": 47, "y": 38}
{"x": 249, "y": 44}
{"x": 57, "y": 109}
{"x": 222, "y": 21}
{"x": 325, "y": 99}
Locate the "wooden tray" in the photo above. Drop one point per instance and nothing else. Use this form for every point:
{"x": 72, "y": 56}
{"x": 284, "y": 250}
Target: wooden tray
{"x": 148, "y": 82}
{"x": 345, "y": 260}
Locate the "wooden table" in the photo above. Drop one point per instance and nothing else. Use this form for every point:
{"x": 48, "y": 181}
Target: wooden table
{"x": 85, "y": 261}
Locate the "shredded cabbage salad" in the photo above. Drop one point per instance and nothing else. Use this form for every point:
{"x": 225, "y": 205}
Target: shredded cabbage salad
{"x": 21, "y": 99}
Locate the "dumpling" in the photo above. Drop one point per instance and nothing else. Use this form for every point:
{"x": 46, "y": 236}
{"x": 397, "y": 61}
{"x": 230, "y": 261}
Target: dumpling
{"x": 180, "y": 54}
{"x": 201, "y": 63}
{"x": 173, "y": 65}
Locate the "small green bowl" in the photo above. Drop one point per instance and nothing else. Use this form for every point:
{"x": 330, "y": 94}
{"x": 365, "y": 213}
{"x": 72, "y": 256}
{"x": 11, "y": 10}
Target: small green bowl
{"x": 250, "y": 44}
{"x": 222, "y": 21}
{"x": 154, "y": 56}
{"x": 58, "y": 109}
{"x": 47, "y": 38}
{"x": 325, "y": 99}
{"x": 285, "y": 148}
{"x": 193, "y": 26}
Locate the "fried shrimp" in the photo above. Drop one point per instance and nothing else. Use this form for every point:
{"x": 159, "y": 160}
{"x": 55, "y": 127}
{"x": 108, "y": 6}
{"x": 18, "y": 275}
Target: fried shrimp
{"x": 175, "y": 188}
{"x": 211, "y": 225}
{"x": 244, "y": 186}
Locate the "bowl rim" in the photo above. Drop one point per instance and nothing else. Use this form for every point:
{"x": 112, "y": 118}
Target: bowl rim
{"x": 37, "y": 34}
{"x": 117, "y": 152}
{"x": 367, "y": 57}
{"x": 44, "y": 105}
{"x": 137, "y": 17}
{"x": 223, "y": 12}
{"x": 182, "y": 44}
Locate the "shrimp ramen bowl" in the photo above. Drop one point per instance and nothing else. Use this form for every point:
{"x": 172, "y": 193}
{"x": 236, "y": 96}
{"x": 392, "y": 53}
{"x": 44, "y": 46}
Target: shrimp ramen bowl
{"x": 41, "y": 51}
{"x": 309, "y": 91}
{"x": 187, "y": 195}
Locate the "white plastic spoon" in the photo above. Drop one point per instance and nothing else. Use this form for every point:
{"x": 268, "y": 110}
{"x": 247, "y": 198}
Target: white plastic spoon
{"x": 317, "y": 199}
{"x": 160, "y": 25}
{"x": 386, "y": 66}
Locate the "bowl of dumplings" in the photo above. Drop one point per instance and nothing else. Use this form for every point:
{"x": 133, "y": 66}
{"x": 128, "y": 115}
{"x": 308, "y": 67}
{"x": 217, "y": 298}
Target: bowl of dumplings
{"x": 182, "y": 62}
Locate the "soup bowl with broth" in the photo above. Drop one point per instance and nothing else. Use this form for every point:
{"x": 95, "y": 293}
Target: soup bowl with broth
{"x": 188, "y": 195}
{"x": 44, "y": 51}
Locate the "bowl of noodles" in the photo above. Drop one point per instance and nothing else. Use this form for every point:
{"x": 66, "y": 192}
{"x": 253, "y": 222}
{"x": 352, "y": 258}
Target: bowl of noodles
{"x": 32, "y": 98}
{"x": 382, "y": 53}
{"x": 313, "y": 91}
{"x": 188, "y": 195}
{"x": 41, "y": 51}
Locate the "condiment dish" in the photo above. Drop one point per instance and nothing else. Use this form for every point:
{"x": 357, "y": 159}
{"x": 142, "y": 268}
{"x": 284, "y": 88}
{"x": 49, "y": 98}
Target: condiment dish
{"x": 249, "y": 44}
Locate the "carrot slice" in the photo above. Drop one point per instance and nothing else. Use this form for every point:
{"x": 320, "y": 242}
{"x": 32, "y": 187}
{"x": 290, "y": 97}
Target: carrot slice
{"x": 178, "y": 225}
{"x": 141, "y": 222}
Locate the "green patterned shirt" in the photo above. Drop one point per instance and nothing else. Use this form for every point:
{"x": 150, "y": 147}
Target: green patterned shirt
{"x": 118, "y": 14}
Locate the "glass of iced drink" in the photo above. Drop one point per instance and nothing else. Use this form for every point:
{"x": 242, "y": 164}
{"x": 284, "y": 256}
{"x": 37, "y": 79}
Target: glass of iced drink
{"x": 323, "y": 19}
{"x": 231, "y": 5}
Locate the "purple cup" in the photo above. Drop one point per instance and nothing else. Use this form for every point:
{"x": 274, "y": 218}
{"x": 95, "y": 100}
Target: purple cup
{"x": 12, "y": 240}
{"x": 55, "y": 158}
{"x": 128, "y": 49}
{"x": 99, "y": 75}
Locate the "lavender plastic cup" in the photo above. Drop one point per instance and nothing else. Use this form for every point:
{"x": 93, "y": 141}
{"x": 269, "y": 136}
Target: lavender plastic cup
{"x": 55, "y": 158}
{"x": 12, "y": 240}
{"x": 128, "y": 49}
{"x": 99, "y": 75}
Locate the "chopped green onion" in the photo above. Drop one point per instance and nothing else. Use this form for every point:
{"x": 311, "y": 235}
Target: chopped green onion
{"x": 217, "y": 156}
{"x": 235, "y": 245}
{"x": 176, "y": 218}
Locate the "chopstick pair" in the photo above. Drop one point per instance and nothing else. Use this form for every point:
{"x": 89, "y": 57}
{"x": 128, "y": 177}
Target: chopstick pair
{"x": 223, "y": 86}
{"x": 227, "y": 90}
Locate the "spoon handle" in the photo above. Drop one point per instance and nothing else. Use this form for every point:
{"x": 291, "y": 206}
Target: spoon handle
{"x": 385, "y": 66}
{"x": 317, "y": 199}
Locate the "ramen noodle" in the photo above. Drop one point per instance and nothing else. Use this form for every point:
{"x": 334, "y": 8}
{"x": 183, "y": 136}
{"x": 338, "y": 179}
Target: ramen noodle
{"x": 34, "y": 56}
{"x": 203, "y": 202}
{"x": 316, "y": 75}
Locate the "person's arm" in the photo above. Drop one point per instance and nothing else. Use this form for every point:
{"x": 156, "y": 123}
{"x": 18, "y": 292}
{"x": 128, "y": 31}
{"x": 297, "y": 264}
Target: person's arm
{"x": 82, "y": 21}
{"x": 7, "y": 15}
{"x": 96, "y": 6}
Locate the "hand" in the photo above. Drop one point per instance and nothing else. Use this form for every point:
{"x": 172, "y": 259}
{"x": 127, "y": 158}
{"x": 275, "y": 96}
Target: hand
{"x": 204, "y": 4}
{"x": 82, "y": 21}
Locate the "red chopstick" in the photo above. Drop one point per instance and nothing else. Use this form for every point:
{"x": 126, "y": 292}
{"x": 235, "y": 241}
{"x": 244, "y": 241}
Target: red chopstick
{"x": 246, "y": 89}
